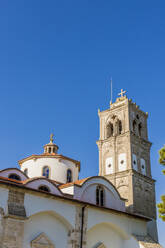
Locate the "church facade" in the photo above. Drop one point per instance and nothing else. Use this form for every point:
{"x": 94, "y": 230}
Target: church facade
{"x": 44, "y": 204}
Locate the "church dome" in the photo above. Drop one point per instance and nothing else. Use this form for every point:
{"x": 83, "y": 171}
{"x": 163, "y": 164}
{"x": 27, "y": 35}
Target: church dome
{"x": 51, "y": 165}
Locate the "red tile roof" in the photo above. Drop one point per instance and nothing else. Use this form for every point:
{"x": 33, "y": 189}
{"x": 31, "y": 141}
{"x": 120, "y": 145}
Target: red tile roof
{"x": 78, "y": 182}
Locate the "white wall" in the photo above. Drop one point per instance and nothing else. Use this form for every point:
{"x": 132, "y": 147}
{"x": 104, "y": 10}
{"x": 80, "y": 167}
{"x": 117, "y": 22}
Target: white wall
{"x": 7, "y": 172}
{"x": 109, "y": 166}
{"x": 87, "y": 193}
{"x": 110, "y": 237}
{"x": 3, "y": 198}
{"x": 134, "y": 162}
{"x": 35, "y": 204}
{"x": 113, "y": 230}
{"x": 125, "y": 225}
{"x": 132, "y": 243}
{"x": 122, "y": 164}
{"x": 68, "y": 190}
{"x": 143, "y": 166}
{"x": 106, "y": 235}
{"x": 58, "y": 168}
{"x": 46, "y": 223}
{"x": 35, "y": 184}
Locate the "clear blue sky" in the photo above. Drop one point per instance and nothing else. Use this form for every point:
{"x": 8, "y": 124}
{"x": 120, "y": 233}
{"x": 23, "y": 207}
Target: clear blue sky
{"x": 56, "y": 60}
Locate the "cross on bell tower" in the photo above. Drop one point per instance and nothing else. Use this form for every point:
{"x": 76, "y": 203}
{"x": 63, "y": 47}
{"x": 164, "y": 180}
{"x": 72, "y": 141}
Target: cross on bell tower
{"x": 121, "y": 94}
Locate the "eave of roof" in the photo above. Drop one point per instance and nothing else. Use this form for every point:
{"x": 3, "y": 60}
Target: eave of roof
{"x": 11, "y": 182}
{"x": 47, "y": 155}
{"x": 78, "y": 183}
{"x": 13, "y": 168}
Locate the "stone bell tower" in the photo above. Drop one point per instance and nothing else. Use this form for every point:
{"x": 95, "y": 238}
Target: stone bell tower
{"x": 124, "y": 155}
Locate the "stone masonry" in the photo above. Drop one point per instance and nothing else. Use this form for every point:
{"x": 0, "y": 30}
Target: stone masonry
{"x": 13, "y": 221}
{"x": 123, "y": 132}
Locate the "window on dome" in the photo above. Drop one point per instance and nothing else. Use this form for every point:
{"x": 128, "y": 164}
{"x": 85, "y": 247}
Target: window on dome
{"x": 49, "y": 150}
{"x": 100, "y": 196}
{"x": 14, "y": 176}
{"x": 46, "y": 172}
{"x": 44, "y": 188}
{"x": 26, "y": 171}
{"x": 69, "y": 176}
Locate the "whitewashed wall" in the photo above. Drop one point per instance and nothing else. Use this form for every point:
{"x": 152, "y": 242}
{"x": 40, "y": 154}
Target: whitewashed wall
{"x": 36, "y": 183}
{"x": 36, "y": 204}
{"x": 7, "y": 172}
{"x": 113, "y": 230}
{"x": 87, "y": 193}
{"x": 46, "y": 223}
{"x": 58, "y": 168}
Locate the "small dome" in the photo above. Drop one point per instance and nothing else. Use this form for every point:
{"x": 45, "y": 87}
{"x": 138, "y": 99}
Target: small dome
{"x": 51, "y": 148}
{"x": 51, "y": 165}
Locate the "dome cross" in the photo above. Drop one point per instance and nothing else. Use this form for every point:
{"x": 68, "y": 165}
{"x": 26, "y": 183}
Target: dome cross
{"x": 51, "y": 138}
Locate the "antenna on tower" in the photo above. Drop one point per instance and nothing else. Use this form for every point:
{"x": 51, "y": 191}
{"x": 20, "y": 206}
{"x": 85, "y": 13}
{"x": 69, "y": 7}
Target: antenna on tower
{"x": 111, "y": 92}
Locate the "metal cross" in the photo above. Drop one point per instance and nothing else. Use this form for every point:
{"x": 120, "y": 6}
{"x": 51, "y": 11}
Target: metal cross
{"x": 51, "y": 137}
{"x": 122, "y": 93}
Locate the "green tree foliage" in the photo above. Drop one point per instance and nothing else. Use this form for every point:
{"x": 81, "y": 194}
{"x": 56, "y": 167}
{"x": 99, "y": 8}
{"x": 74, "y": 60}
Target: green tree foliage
{"x": 161, "y": 206}
{"x": 162, "y": 157}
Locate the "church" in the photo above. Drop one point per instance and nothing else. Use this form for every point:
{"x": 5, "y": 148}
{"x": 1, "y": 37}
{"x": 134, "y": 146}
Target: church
{"x": 44, "y": 204}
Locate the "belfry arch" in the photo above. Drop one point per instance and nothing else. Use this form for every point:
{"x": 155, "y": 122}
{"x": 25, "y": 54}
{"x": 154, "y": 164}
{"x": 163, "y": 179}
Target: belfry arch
{"x": 109, "y": 130}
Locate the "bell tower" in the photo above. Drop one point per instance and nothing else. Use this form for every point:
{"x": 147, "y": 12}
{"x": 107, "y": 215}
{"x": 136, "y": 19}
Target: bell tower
{"x": 124, "y": 154}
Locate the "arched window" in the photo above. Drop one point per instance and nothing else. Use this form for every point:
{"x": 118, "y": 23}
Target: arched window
{"x": 14, "y": 176}
{"x": 109, "y": 130}
{"x": 120, "y": 127}
{"x": 97, "y": 196}
{"x": 44, "y": 188}
{"x": 45, "y": 172}
{"x": 140, "y": 129}
{"x": 100, "y": 196}
{"x": 134, "y": 126}
{"x": 69, "y": 176}
{"x": 26, "y": 171}
{"x": 49, "y": 150}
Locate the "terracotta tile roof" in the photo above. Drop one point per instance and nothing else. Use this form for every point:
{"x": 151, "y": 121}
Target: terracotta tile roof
{"x": 11, "y": 180}
{"x": 78, "y": 182}
{"x": 40, "y": 178}
{"x": 28, "y": 180}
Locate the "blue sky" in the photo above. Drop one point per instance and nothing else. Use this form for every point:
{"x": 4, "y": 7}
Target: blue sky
{"x": 56, "y": 60}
